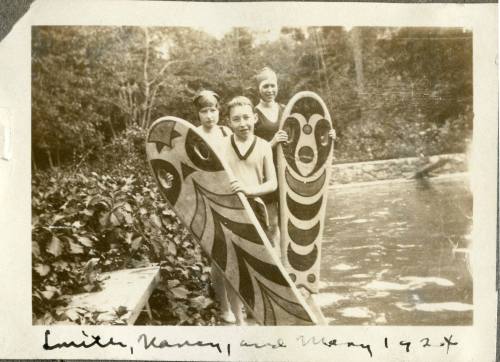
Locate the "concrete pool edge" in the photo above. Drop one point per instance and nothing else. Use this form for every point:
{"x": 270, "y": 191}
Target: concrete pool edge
{"x": 451, "y": 176}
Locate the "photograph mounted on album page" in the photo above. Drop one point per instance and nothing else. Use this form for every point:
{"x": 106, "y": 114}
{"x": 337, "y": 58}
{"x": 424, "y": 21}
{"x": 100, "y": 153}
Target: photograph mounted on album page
{"x": 175, "y": 176}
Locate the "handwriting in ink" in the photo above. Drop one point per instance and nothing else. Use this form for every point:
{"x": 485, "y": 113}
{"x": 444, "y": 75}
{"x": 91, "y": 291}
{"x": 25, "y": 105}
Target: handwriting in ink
{"x": 333, "y": 343}
{"x": 279, "y": 344}
{"x": 448, "y": 342}
{"x": 152, "y": 343}
{"x": 426, "y": 342}
{"x": 96, "y": 341}
{"x": 406, "y": 344}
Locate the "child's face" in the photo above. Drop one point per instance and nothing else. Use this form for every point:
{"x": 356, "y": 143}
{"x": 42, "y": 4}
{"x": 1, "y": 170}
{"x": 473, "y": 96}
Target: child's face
{"x": 209, "y": 116}
{"x": 242, "y": 120}
{"x": 268, "y": 90}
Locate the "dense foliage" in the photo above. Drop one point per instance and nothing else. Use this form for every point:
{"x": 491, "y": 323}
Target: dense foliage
{"x": 85, "y": 223}
{"x": 392, "y": 92}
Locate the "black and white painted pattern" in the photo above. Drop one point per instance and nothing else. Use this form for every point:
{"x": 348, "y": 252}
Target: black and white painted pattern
{"x": 196, "y": 183}
{"x": 303, "y": 173}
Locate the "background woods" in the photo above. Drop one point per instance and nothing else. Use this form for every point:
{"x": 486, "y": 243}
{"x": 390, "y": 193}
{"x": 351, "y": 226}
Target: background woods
{"x": 392, "y": 92}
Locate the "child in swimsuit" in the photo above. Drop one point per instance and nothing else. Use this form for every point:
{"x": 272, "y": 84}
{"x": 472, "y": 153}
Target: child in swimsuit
{"x": 269, "y": 114}
{"x": 267, "y": 127}
{"x": 249, "y": 157}
{"x": 207, "y": 107}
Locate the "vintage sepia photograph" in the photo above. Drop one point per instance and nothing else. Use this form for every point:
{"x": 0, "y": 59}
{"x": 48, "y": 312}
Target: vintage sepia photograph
{"x": 229, "y": 176}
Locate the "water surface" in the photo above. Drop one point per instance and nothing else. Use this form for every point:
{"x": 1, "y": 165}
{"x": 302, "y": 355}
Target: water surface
{"x": 388, "y": 254}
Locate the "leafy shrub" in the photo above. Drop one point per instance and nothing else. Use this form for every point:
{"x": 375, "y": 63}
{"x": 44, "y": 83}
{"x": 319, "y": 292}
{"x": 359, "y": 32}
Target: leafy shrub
{"x": 109, "y": 222}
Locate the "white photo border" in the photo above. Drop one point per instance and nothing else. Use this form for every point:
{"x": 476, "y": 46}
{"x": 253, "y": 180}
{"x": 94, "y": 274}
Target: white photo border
{"x": 20, "y": 339}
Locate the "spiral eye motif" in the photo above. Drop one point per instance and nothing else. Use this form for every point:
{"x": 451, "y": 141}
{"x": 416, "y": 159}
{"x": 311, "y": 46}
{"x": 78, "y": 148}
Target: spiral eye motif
{"x": 321, "y": 132}
{"x": 202, "y": 151}
{"x": 200, "y": 154}
{"x": 165, "y": 179}
{"x": 168, "y": 179}
{"x": 324, "y": 142}
{"x": 292, "y": 128}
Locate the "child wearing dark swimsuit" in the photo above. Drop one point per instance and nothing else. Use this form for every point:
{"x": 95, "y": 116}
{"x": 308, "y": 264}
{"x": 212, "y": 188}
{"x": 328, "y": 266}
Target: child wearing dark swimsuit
{"x": 267, "y": 127}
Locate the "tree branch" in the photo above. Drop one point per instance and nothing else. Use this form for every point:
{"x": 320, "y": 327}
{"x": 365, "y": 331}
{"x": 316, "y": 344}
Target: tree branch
{"x": 146, "y": 82}
{"x": 162, "y": 70}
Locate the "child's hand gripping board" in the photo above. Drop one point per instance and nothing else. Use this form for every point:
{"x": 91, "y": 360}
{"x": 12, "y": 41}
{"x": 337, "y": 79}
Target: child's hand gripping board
{"x": 303, "y": 175}
{"x": 195, "y": 181}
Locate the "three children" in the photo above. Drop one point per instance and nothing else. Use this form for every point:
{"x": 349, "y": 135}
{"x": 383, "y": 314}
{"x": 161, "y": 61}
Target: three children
{"x": 251, "y": 160}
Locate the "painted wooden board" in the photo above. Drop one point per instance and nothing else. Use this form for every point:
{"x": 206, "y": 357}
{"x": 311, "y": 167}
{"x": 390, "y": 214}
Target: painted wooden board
{"x": 304, "y": 164}
{"x": 195, "y": 181}
{"x": 128, "y": 288}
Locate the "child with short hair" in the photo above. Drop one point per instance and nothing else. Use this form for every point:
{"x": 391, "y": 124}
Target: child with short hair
{"x": 207, "y": 107}
{"x": 250, "y": 159}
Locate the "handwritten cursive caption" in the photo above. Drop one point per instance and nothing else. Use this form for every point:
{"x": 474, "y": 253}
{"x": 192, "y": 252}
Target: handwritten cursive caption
{"x": 147, "y": 342}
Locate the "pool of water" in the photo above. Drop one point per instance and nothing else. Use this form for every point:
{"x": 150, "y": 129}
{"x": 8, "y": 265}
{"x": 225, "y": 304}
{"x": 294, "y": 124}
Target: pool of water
{"x": 389, "y": 254}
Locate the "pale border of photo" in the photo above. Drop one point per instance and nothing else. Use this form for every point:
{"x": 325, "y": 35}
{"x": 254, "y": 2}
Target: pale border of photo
{"x": 20, "y": 339}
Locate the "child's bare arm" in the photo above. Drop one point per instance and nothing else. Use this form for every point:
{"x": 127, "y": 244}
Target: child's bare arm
{"x": 269, "y": 173}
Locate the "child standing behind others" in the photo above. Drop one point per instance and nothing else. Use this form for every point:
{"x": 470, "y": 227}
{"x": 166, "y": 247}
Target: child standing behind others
{"x": 269, "y": 113}
{"x": 250, "y": 159}
{"x": 207, "y": 107}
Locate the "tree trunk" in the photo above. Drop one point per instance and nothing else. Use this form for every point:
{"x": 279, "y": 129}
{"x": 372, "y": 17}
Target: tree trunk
{"x": 113, "y": 133}
{"x": 49, "y": 157}
{"x": 146, "y": 80}
{"x": 58, "y": 157}
{"x": 151, "y": 104}
{"x": 355, "y": 41}
{"x": 33, "y": 160}
{"x": 321, "y": 48}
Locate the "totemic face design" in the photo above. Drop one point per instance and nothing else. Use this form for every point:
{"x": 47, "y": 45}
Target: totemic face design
{"x": 306, "y": 157}
{"x": 308, "y": 143}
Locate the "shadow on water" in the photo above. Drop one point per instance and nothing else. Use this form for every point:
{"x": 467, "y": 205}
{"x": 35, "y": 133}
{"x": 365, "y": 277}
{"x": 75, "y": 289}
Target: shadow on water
{"x": 388, "y": 254}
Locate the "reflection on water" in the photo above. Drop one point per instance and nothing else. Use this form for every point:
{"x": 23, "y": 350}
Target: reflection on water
{"x": 388, "y": 255}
